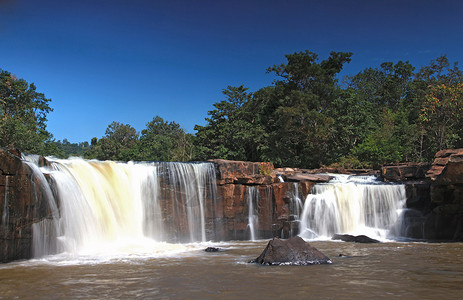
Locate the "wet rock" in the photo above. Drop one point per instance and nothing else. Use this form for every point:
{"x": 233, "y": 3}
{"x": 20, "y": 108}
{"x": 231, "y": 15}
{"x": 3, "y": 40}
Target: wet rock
{"x": 293, "y": 251}
{"x": 405, "y": 172}
{"x": 212, "y": 249}
{"x": 22, "y": 203}
{"x": 353, "y": 238}
{"x": 309, "y": 177}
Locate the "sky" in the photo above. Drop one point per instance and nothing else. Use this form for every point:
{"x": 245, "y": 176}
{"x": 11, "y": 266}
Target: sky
{"x": 127, "y": 61}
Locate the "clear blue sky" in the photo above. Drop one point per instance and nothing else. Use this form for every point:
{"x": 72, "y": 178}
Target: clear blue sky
{"x": 129, "y": 60}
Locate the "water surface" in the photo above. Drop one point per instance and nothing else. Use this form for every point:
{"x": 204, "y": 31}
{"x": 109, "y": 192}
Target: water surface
{"x": 367, "y": 271}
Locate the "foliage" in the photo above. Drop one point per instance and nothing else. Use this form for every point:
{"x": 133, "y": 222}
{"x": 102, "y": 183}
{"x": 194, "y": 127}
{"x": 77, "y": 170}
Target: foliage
{"x": 164, "y": 141}
{"x": 441, "y": 114}
{"x": 118, "y": 143}
{"x": 306, "y": 119}
{"x": 23, "y": 113}
{"x": 232, "y": 131}
{"x": 65, "y": 149}
{"x": 385, "y": 114}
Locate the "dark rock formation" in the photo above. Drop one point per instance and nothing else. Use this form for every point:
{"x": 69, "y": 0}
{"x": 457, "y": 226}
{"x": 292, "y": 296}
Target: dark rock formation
{"x": 22, "y": 204}
{"x": 354, "y": 238}
{"x": 434, "y": 196}
{"x": 405, "y": 172}
{"x": 212, "y": 249}
{"x": 445, "y": 219}
{"x": 293, "y": 251}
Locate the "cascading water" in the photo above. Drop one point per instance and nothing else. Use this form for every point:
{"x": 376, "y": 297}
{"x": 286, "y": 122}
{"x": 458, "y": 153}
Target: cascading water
{"x": 188, "y": 185}
{"x": 253, "y": 217}
{"x": 44, "y": 232}
{"x": 352, "y": 205}
{"x": 106, "y": 205}
{"x": 5, "y": 215}
{"x": 295, "y": 203}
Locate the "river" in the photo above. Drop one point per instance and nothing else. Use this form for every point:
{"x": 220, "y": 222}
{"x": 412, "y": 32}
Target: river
{"x": 184, "y": 271}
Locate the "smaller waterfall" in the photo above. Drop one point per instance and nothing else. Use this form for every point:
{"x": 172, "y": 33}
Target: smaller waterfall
{"x": 352, "y": 205}
{"x": 5, "y": 214}
{"x": 46, "y": 231}
{"x": 253, "y": 217}
{"x": 296, "y": 204}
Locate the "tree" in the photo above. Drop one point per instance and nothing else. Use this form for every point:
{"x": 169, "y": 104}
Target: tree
{"x": 300, "y": 125}
{"x": 23, "y": 113}
{"x": 438, "y": 72}
{"x": 441, "y": 115}
{"x": 232, "y": 131}
{"x": 381, "y": 146}
{"x": 118, "y": 143}
{"x": 164, "y": 141}
{"x": 382, "y": 98}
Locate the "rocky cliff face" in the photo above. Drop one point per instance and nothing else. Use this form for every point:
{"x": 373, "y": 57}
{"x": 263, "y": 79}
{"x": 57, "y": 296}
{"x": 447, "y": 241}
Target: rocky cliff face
{"x": 21, "y": 205}
{"x": 275, "y": 208}
{"x": 434, "y": 196}
{"x": 445, "y": 219}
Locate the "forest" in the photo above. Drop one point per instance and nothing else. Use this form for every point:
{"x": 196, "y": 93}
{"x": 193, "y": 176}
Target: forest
{"x": 307, "y": 118}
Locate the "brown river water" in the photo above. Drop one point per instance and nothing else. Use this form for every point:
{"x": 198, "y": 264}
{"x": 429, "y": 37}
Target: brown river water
{"x": 367, "y": 271}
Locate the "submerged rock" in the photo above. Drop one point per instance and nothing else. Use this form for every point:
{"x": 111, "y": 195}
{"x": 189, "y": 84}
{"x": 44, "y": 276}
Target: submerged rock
{"x": 293, "y": 251}
{"x": 353, "y": 238}
{"x": 212, "y": 249}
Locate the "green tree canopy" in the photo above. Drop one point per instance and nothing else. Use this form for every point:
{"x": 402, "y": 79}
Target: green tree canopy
{"x": 23, "y": 113}
{"x": 164, "y": 141}
{"x": 118, "y": 143}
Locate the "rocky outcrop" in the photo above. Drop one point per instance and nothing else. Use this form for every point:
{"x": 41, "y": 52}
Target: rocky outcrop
{"x": 293, "y": 251}
{"x": 447, "y": 167}
{"x": 434, "y": 196}
{"x": 354, "y": 238}
{"x": 274, "y": 204}
{"x": 243, "y": 172}
{"x": 22, "y": 204}
{"x": 274, "y": 200}
{"x": 405, "y": 172}
{"x": 445, "y": 219}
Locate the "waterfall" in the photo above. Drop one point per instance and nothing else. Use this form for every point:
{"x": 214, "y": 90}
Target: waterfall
{"x": 46, "y": 231}
{"x": 253, "y": 217}
{"x": 352, "y": 205}
{"x": 5, "y": 214}
{"x": 105, "y": 204}
{"x": 295, "y": 204}
{"x": 189, "y": 185}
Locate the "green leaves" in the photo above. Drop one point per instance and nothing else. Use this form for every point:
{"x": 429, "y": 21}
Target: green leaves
{"x": 23, "y": 114}
{"x": 159, "y": 141}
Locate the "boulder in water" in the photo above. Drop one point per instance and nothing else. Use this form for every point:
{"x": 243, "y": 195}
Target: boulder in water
{"x": 293, "y": 251}
{"x": 212, "y": 249}
{"x": 353, "y": 238}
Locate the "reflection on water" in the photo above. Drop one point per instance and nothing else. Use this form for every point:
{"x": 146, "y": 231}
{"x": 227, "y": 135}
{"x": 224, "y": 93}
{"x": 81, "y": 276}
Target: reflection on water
{"x": 387, "y": 270}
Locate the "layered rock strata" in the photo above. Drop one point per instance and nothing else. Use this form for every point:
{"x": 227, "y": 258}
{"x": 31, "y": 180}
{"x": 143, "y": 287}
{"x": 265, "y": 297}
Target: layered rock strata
{"x": 434, "y": 196}
{"x": 22, "y": 204}
{"x": 274, "y": 198}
